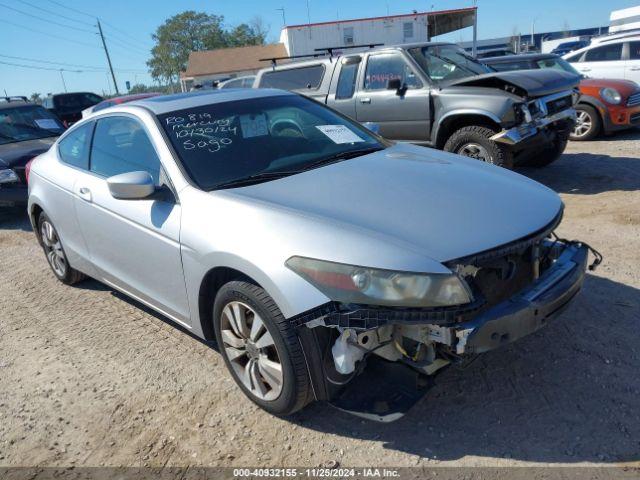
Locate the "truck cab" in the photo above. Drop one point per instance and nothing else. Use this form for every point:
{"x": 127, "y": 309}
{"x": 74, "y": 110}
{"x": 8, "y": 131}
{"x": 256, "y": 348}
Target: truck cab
{"x": 435, "y": 94}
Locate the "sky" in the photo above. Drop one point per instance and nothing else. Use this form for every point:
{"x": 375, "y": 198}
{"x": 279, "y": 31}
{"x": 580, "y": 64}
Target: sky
{"x": 62, "y": 34}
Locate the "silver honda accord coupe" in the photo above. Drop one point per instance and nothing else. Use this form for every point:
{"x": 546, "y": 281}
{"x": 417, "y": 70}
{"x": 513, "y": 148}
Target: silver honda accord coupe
{"x": 325, "y": 262}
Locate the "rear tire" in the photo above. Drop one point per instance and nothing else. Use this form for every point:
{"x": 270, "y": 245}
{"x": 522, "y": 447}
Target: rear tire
{"x": 588, "y": 125}
{"x": 53, "y": 250}
{"x": 260, "y": 348}
{"x": 475, "y": 142}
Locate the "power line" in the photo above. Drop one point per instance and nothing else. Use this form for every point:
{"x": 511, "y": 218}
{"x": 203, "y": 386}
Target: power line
{"x": 92, "y": 16}
{"x": 127, "y": 46}
{"x": 51, "y": 12}
{"x": 73, "y": 9}
{"x": 43, "y": 68}
{"x": 45, "y": 19}
{"x": 100, "y": 69}
{"x": 48, "y": 34}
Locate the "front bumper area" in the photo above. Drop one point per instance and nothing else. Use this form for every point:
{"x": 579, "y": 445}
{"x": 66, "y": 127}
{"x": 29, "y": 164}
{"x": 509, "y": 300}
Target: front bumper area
{"x": 517, "y": 135}
{"x": 528, "y": 311}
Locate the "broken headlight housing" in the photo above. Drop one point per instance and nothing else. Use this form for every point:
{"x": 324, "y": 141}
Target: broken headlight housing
{"x": 371, "y": 286}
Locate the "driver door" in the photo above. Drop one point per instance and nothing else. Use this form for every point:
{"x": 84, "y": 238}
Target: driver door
{"x": 400, "y": 116}
{"x": 133, "y": 244}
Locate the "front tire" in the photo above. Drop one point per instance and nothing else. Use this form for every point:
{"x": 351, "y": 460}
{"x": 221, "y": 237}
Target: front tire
{"x": 588, "y": 124}
{"x": 475, "y": 142}
{"x": 55, "y": 253}
{"x": 260, "y": 348}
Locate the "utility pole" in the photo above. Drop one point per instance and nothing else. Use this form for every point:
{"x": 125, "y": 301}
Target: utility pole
{"x": 63, "y": 82}
{"x": 309, "y": 18}
{"x": 106, "y": 51}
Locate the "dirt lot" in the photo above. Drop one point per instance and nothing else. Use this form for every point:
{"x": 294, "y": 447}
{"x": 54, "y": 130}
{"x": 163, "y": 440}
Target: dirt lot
{"x": 90, "y": 378}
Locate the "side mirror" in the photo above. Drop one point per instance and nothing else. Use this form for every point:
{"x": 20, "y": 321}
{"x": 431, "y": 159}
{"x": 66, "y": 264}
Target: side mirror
{"x": 372, "y": 126}
{"x": 397, "y": 85}
{"x": 131, "y": 185}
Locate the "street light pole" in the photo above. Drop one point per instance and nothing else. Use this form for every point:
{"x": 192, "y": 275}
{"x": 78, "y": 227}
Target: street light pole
{"x": 63, "y": 82}
{"x": 284, "y": 20}
{"x": 106, "y": 51}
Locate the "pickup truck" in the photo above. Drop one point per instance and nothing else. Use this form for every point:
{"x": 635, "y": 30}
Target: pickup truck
{"x": 435, "y": 94}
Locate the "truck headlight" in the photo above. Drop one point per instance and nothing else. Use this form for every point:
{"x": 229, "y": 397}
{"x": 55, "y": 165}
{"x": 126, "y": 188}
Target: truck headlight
{"x": 370, "y": 286}
{"x": 611, "y": 95}
{"x": 8, "y": 176}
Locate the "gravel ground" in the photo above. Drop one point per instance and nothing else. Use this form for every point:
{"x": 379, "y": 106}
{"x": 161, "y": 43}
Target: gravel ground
{"x": 90, "y": 378}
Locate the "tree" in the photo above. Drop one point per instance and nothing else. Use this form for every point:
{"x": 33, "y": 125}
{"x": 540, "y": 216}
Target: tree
{"x": 180, "y": 35}
{"x": 36, "y": 98}
{"x": 192, "y": 31}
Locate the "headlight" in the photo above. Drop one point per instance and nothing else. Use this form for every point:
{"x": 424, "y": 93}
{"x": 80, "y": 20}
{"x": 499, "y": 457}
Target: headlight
{"x": 611, "y": 95}
{"x": 8, "y": 176}
{"x": 370, "y": 286}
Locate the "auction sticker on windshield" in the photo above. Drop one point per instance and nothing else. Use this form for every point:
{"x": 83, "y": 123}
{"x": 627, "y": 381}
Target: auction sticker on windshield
{"x": 254, "y": 125}
{"x": 339, "y": 133}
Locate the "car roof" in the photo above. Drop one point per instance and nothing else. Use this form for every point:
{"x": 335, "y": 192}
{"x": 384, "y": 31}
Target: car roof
{"x": 16, "y": 103}
{"x": 526, "y": 56}
{"x": 180, "y": 101}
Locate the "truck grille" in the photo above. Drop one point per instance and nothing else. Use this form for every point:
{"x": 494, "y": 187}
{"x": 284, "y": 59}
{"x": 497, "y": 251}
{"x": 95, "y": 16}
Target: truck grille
{"x": 559, "y": 104}
{"x": 634, "y": 99}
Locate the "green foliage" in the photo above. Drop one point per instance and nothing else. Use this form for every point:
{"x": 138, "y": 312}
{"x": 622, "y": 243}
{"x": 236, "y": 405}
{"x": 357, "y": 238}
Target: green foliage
{"x": 36, "y": 98}
{"x": 192, "y": 31}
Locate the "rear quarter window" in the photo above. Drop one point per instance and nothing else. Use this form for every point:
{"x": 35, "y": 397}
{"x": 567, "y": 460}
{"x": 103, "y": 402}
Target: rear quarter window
{"x": 73, "y": 149}
{"x": 303, "y": 78}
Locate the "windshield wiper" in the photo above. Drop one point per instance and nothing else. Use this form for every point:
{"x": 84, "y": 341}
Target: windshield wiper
{"x": 336, "y": 157}
{"x": 272, "y": 175}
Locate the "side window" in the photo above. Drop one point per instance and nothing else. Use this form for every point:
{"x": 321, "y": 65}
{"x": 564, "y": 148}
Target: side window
{"x": 634, "y": 50}
{"x": 604, "y": 53}
{"x": 575, "y": 58}
{"x": 121, "y": 145}
{"x": 407, "y": 31}
{"x": 347, "y": 79}
{"x": 74, "y": 147}
{"x": 388, "y": 66}
{"x": 294, "y": 78}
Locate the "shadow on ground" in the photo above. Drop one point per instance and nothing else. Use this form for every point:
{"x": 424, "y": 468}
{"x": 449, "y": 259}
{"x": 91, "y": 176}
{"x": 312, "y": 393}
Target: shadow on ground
{"x": 556, "y": 396}
{"x": 14, "y": 218}
{"x": 588, "y": 174}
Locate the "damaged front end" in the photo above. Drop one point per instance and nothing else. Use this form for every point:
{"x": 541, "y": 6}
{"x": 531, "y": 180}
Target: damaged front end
{"x": 377, "y": 361}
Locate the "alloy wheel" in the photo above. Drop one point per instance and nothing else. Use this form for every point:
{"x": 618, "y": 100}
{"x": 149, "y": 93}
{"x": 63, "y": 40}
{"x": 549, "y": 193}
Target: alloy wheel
{"x": 251, "y": 351}
{"x": 584, "y": 123}
{"x": 53, "y": 249}
{"x": 475, "y": 150}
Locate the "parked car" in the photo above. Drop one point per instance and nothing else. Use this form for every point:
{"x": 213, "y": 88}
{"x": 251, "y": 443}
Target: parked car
{"x": 26, "y": 130}
{"x": 327, "y": 262}
{"x": 494, "y": 52}
{"x": 69, "y": 106}
{"x": 238, "y": 82}
{"x": 605, "y": 105}
{"x": 116, "y": 101}
{"x": 612, "y": 56}
{"x": 568, "y": 47}
{"x": 437, "y": 95}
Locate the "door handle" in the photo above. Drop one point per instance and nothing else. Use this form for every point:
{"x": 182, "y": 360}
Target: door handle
{"x": 365, "y": 100}
{"x": 585, "y": 69}
{"x": 635, "y": 69}
{"x": 84, "y": 193}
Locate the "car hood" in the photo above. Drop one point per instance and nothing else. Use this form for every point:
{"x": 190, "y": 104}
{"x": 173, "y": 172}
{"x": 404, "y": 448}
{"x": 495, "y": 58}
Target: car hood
{"x": 525, "y": 83}
{"x": 17, "y": 154}
{"x": 443, "y": 205}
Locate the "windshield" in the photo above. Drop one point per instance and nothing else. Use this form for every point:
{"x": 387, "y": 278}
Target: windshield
{"x": 22, "y": 123}
{"x": 224, "y": 143}
{"x": 558, "y": 64}
{"x": 443, "y": 63}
